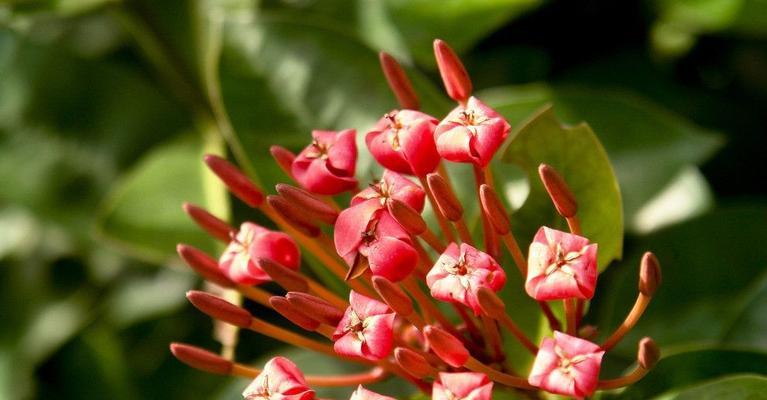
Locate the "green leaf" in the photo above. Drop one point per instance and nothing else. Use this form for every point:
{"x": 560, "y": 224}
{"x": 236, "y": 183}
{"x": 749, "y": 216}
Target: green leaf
{"x": 735, "y": 387}
{"x": 635, "y": 132}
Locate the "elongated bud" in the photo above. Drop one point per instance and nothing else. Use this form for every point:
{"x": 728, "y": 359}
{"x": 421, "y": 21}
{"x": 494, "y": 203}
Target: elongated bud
{"x": 649, "y": 274}
{"x": 493, "y": 208}
{"x": 201, "y": 359}
{"x": 287, "y": 310}
{"x": 409, "y": 218}
{"x": 446, "y": 346}
{"x": 398, "y": 82}
{"x": 648, "y": 354}
{"x": 284, "y": 158}
{"x": 287, "y": 278}
{"x": 560, "y": 193}
{"x": 413, "y": 363}
{"x": 220, "y": 309}
{"x": 311, "y": 204}
{"x": 209, "y": 222}
{"x": 294, "y": 216}
{"x": 315, "y": 307}
{"x": 448, "y": 204}
{"x": 490, "y": 303}
{"x": 394, "y": 297}
{"x": 454, "y": 75}
{"x": 204, "y": 265}
{"x": 235, "y": 180}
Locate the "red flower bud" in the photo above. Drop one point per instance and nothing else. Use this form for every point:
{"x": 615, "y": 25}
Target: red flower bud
{"x": 413, "y": 363}
{"x": 294, "y": 216}
{"x": 447, "y": 203}
{"x": 284, "y": 158}
{"x": 471, "y": 133}
{"x": 201, "y": 359}
{"x": 327, "y": 165}
{"x": 393, "y": 296}
{"x": 454, "y": 75}
{"x": 220, "y": 309}
{"x": 446, "y": 346}
{"x": 563, "y": 198}
{"x": 283, "y": 306}
{"x": 410, "y": 219}
{"x": 493, "y": 208}
{"x": 403, "y": 141}
{"x": 315, "y": 307}
{"x": 398, "y": 81}
{"x": 204, "y": 265}
{"x": 289, "y": 279}
{"x": 209, "y": 222}
{"x": 648, "y": 353}
{"x": 235, "y": 180}
{"x": 308, "y": 203}
{"x": 649, "y": 274}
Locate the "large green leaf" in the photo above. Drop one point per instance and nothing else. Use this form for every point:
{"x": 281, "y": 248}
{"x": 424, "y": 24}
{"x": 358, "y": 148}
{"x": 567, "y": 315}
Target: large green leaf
{"x": 749, "y": 387}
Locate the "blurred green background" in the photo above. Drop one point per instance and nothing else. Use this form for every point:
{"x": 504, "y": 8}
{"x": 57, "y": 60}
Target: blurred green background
{"x": 106, "y": 107}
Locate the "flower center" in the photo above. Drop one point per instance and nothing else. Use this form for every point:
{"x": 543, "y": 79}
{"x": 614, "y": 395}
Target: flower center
{"x": 319, "y": 150}
{"x": 263, "y": 391}
{"x": 566, "y": 363}
{"x": 356, "y": 325}
{"x": 562, "y": 261}
{"x": 460, "y": 267}
{"x": 395, "y": 125}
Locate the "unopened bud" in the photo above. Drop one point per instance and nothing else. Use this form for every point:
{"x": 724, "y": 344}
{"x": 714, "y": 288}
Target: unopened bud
{"x": 311, "y": 204}
{"x": 454, "y": 75}
{"x": 446, "y": 201}
{"x": 290, "y": 280}
{"x": 413, "y": 363}
{"x": 408, "y": 217}
{"x": 398, "y": 82}
{"x": 293, "y": 216}
{"x": 209, "y": 222}
{"x": 494, "y": 210}
{"x": 201, "y": 359}
{"x": 204, "y": 265}
{"x": 446, "y": 346}
{"x": 649, "y": 274}
{"x": 287, "y": 310}
{"x": 648, "y": 354}
{"x": 235, "y": 180}
{"x": 284, "y": 159}
{"x": 490, "y": 303}
{"x": 315, "y": 307}
{"x": 394, "y": 297}
{"x": 560, "y": 193}
{"x": 220, "y": 309}
{"x": 588, "y": 332}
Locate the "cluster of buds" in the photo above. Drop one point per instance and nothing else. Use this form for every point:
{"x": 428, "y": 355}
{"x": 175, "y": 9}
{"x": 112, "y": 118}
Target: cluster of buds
{"x": 383, "y": 249}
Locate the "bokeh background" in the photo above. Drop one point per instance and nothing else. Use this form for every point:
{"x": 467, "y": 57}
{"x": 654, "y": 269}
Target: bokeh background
{"x": 106, "y": 107}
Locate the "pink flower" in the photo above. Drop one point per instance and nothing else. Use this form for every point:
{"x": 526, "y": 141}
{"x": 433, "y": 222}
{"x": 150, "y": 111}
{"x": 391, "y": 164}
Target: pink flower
{"x": 458, "y": 274}
{"x": 251, "y": 243}
{"x": 567, "y": 365}
{"x": 280, "y": 380}
{"x": 327, "y": 165}
{"x": 471, "y": 134}
{"x": 403, "y": 141}
{"x": 366, "y": 330}
{"x": 363, "y": 394}
{"x": 392, "y": 186}
{"x": 462, "y": 386}
{"x": 366, "y": 230}
{"x": 561, "y": 266}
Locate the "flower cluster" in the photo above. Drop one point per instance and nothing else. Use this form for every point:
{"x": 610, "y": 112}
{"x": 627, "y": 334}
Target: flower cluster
{"x": 399, "y": 268}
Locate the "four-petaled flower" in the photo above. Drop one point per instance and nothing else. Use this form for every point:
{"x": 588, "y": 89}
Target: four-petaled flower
{"x": 366, "y": 330}
{"x": 279, "y": 380}
{"x": 471, "y": 133}
{"x": 403, "y": 141}
{"x": 363, "y": 394}
{"x": 462, "y": 386}
{"x": 327, "y": 165}
{"x": 392, "y": 186}
{"x": 252, "y": 242}
{"x": 561, "y": 266}
{"x": 567, "y": 365}
{"x": 459, "y": 272}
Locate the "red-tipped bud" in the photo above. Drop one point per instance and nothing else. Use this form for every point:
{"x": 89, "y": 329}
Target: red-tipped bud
{"x": 235, "y": 180}
{"x": 287, "y": 310}
{"x": 284, "y": 158}
{"x": 220, "y": 309}
{"x": 649, "y": 274}
{"x": 446, "y": 346}
{"x": 398, "y": 82}
{"x": 447, "y": 203}
{"x": 490, "y": 303}
{"x": 201, "y": 359}
{"x": 494, "y": 210}
{"x": 454, "y": 75}
{"x": 393, "y": 296}
{"x": 413, "y": 363}
{"x": 309, "y": 203}
{"x": 560, "y": 193}
{"x": 209, "y": 222}
{"x": 293, "y": 215}
{"x": 203, "y": 264}
{"x": 588, "y": 332}
{"x": 409, "y": 218}
{"x": 287, "y": 278}
{"x": 315, "y": 307}
{"x": 648, "y": 354}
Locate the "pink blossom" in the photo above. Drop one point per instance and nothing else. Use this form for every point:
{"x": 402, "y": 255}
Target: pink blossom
{"x": 279, "y": 380}
{"x": 327, "y": 165}
{"x": 363, "y": 394}
{"x": 471, "y": 134}
{"x": 403, "y": 141}
{"x": 462, "y": 386}
{"x": 366, "y": 330}
{"x": 458, "y": 274}
{"x": 567, "y": 365}
{"x": 392, "y": 186}
{"x": 561, "y": 266}
{"x": 252, "y": 242}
